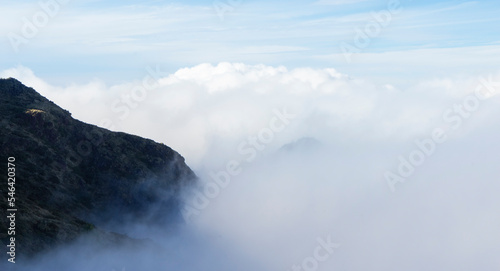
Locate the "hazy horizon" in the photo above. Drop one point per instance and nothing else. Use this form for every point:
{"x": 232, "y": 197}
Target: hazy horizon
{"x": 327, "y": 135}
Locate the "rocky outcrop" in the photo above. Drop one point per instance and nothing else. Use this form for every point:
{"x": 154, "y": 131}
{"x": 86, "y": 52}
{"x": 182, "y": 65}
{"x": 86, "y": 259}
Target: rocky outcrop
{"x": 73, "y": 177}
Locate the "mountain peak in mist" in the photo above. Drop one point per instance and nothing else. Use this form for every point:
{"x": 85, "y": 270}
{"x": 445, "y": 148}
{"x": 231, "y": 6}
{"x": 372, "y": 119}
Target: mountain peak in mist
{"x": 73, "y": 177}
{"x": 302, "y": 144}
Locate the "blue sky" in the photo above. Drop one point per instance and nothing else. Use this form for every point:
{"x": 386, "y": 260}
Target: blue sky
{"x": 434, "y": 66}
{"x": 114, "y": 41}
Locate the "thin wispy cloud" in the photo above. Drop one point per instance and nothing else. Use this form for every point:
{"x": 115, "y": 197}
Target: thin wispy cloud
{"x": 291, "y": 134}
{"x": 183, "y": 34}
{"x": 338, "y": 2}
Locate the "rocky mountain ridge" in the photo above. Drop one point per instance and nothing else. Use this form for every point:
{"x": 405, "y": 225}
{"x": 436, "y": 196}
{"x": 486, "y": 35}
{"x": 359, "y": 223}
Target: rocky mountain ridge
{"x": 74, "y": 178}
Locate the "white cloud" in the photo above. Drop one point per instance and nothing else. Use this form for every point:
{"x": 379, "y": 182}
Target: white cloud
{"x": 115, "y": 40}
{"x": 203, "y": 108}
{"x": 282, "y": 201}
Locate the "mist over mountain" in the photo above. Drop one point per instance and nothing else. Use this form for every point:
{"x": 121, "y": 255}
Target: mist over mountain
{"x": 288, "y": 177}
{"x": 231, "y": 135}
{"x": 74, "y": 178}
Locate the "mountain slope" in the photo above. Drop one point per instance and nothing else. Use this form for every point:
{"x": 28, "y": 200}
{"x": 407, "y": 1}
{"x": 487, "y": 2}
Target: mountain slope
{"x": 72, "y": 177}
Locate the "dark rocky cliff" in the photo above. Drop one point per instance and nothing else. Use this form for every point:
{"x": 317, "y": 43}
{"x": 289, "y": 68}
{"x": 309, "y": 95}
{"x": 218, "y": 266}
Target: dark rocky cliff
{"x": 72, "y": 177}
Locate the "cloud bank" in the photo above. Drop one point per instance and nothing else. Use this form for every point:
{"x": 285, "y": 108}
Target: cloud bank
{"x": 291, "y": 159}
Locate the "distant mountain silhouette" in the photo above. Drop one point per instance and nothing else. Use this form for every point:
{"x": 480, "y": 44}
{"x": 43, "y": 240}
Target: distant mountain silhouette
{"x": 302, "y": 144}
{"x": 73, "y": 177}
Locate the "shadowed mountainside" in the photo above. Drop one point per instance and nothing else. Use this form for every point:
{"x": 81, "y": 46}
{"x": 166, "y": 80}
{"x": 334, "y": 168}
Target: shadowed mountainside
{"x": 72, "y": 177}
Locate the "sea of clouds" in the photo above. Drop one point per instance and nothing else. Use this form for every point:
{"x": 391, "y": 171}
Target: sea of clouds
{"x": 313, "y": 169}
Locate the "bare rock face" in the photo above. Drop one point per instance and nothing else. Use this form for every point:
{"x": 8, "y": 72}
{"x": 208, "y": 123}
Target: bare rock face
{"x": 73, "y": 177}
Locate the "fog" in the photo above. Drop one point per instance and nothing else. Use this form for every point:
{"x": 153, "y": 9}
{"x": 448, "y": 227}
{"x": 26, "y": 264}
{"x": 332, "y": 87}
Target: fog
{"x": 306, "y": 169}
